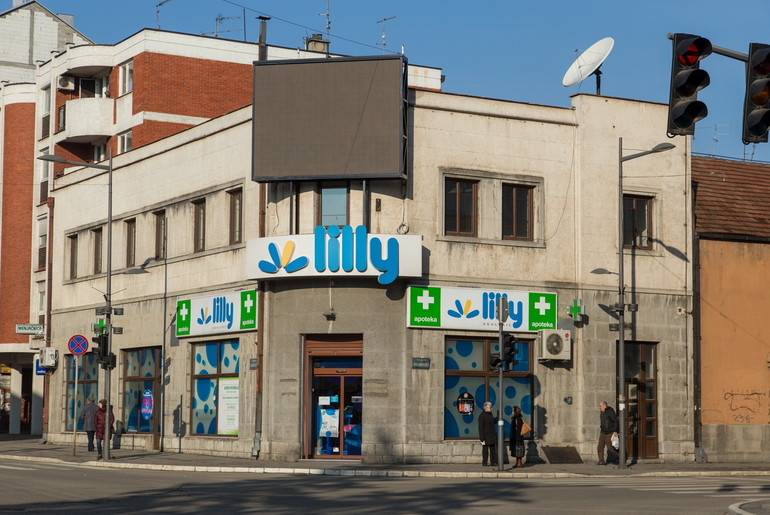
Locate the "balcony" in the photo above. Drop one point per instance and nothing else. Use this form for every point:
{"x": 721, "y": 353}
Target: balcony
{"x": 88, "y": 120}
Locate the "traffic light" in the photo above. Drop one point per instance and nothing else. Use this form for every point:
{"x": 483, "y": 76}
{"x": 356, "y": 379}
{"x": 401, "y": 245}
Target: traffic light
{"x": 508, "y": 350}
{"x": 494, "y": 361}
{"x": 684, "y": 108}
{"x": 756, "y": 104}
{"x": 100, "y": 347}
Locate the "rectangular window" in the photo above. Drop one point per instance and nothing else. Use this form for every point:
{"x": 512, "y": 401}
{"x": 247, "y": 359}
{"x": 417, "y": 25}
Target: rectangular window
{"x": 469, "y": 380}
{"x": 130, "y": 242}
{"x": 160, "y": 234}
{"x": 126, "y": 77}
{"x": 100, "y": 152}
{"x": 45, "y": 122}
{"x": 517, "y": 212}
{"x": 61, "y": 117}
{"x": 460, "y": 207}
{"x": 45, "y": 170}
{"x": 333, "y": 205}
{"x": 199, "y": 225}
{"x": 86, "y": 377}
{"x": 73, "y": 242}
{"x": 215, "y": 387}
{"x": 637, "y": 222}
{"x": 42, "y": 242}
{"x": 236, "y": 216}
{"x": 141, "y": 390}
{"x": 87, "y": 88}
{"x": 125, "y": 142}
{"x": 97, "y": 237}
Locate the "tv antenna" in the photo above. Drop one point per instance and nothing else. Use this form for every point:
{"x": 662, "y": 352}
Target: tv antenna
{"x": 588, "y": 63}
{"x": 328, "y": 15}
{"x": 157, "y": 11}
{"x": 219, "y": 19}
{"x": 383, "y": 44}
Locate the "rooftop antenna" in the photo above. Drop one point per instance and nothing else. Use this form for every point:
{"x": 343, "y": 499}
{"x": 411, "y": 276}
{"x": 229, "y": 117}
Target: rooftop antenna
{"x": 157, "y": 10}
{"x": 588, "y": 63}
{"x": 219, "y": 19}
{"x": 328, "y": 15}
{"x": 716, "y": 128}
{"x": 383, "y": 44}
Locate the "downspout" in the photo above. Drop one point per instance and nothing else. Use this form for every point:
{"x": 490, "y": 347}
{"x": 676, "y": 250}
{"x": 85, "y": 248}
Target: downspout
{"x": 49, "y": 282}
{"x": 700, "y": 454}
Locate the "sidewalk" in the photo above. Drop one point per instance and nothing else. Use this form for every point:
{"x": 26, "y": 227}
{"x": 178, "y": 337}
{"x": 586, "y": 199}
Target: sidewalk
{"x": 26, "y": 448}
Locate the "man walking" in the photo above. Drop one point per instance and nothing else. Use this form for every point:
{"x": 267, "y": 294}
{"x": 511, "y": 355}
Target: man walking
{"x": 608, "y": 427}
{"x": 488, "y": 436}
{"x": 89, "y": 425}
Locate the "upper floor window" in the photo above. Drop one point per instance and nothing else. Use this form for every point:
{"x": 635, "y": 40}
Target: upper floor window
{"x": 130, "y": 242}
{"x": 125, "y": 142}
{"x": 42, "y": 242}
{"x": 637, "y": 221}
{"x": 333, "y": 205}
{"x": 45, "y": 170}
{"x": 73, "y": 243}
{"x": 236, "y": 216}
{"x": 97, "y": 238}
{"x": 45, "y": 122}
{"x": 199, "y": 225}
{"x": 100, "y": 152}
{"x": 517, "y": 212}
{"x": 460, "y": 207}
{"x": 160, "y": 234}
{"x": 126, "y": 77}
{"x": 94, "y": 88}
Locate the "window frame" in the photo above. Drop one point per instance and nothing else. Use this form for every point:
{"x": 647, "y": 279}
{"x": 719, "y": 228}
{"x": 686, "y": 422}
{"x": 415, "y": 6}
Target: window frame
{"x": 161, "y": 228}
{"x": 235, "y": 222}
{"x": 130, "y": 228}
{"x": 217, "y": 376}
{"x": 125, "y": 141}
{"x": 530, "y": 211}
{"x": 455, "y": 230}
{"x": 631, "y": 236}
{"x": 83, "y": 385}
{"x": 72, "y": 240}
{"x": 126, "y": 72}
{"x": 322, "y": 187}
{"x": 199, "y": 225}
{"x": 96, "y": 235}
{"x": 155, "y": 379}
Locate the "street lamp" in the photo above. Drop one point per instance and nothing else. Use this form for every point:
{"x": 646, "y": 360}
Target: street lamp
{"x": 108, "y": 294}
{"x": 620, "y": 306}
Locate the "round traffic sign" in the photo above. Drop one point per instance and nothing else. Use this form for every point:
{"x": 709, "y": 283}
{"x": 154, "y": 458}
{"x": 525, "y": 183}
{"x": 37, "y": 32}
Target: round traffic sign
{"x": 78, "y": 345}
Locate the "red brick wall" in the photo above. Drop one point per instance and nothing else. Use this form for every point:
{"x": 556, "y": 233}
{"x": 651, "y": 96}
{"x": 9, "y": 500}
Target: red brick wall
{"x": 151, "y": 131}
{"x": 188, "y": 86}
{"x": 18, "y": 175}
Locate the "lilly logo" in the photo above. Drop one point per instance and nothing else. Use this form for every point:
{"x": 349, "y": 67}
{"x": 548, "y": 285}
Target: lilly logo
{"x": 222, "y": 313}
{"x": 463, "y": 310}
{"x": 284, "y": 260}
{"x": 489, "y": 302}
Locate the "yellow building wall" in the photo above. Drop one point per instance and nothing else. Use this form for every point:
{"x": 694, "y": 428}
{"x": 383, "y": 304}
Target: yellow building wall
{"x": 735, "y": 332}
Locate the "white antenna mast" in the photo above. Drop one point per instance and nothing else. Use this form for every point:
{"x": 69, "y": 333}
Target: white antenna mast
{"x": 218, "y": 19}
{"x": 328, "y": 15}
{"x": 716, "y": 128}
{"x": 383, "y": 44}
{"x": 157, "y": 10}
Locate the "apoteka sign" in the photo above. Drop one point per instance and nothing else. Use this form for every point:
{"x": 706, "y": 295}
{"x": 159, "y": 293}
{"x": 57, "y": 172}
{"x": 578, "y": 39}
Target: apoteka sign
{"x": 225, "y": 313}
{"x": 335, "y": 251}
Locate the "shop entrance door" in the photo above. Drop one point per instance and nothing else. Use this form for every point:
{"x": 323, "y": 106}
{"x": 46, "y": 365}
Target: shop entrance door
{"x": 641, "y": 391}
{"x": 334, "y": 399}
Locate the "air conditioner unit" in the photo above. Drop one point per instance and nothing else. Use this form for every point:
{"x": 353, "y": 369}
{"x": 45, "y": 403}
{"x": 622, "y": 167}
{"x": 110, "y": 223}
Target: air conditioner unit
{"x": 48, "y": 357}
{"x": 555, "y": 344}
{"x": 66, "y": 83}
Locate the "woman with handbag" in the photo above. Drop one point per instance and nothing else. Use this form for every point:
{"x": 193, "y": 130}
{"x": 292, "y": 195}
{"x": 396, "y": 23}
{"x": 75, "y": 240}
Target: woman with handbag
{"x": 517, "y": 437}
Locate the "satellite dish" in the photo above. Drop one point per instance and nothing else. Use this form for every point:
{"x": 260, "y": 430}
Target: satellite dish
{"x": 588, "y": 63}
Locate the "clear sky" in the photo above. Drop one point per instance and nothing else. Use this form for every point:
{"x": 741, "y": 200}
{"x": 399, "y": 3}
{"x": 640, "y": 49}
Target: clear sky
{"x": 512, "y": 50}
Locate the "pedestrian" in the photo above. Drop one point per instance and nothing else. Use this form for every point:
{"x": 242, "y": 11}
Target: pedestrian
{"x": 87, "y": 415}
{"x": 608, "y": 428}
{"x": 100, "y": 421}
{"x": 517, "y": 439}
{"x": 487, "y": 435}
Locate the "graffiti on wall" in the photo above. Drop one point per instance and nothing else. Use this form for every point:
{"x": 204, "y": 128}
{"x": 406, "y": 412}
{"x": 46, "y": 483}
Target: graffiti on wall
{"x": 746, "y": 407}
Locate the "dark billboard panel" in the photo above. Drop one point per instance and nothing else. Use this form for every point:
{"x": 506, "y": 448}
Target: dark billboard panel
{"x": 339, "y": 118}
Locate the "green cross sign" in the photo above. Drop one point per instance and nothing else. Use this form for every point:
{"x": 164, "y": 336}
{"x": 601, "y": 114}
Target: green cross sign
{"x": 576, "y": 309}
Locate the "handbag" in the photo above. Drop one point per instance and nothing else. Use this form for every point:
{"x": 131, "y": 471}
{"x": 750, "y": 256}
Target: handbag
{"x": 615, "y": 441}
{"x": 525, "y": 428}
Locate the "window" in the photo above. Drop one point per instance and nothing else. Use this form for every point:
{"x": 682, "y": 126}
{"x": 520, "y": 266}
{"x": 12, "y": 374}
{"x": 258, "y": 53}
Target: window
{"x": 42, "y": 242}
{"x": 460, "y": 207}
{"x": 86, "y": 377}
{"x": 125, "y": 142}
{"x": 45, "y": 125}
{"x": 466, "y": 365}
{"x": 97, "y": 238}
{"x": 637, "y": 222}
{"x": 87, "y": 88}
{"x": 73, "y": 241}
{"x": 61, "y": 118}
{"x": 45, "y": 170}
{"x": 517, "y": 212}
{"x": 199, "y": 225}
{"x": 236, "y": 216}
{"x": 333, "y": 205}
{"x": 141, "y": 390}
{"x": 100, "y": 152}
{"x": 160, "y": 234}
{"x": 130, "y": 242}
{"x": 126, "y": 77}
{"x": 215, "y": 388}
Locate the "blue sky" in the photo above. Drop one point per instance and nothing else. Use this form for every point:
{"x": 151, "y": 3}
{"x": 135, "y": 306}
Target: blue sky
{"x": 512, "y": 50}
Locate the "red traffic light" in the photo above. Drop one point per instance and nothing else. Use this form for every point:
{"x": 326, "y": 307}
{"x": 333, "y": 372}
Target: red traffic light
{"x": 692, "y": 50}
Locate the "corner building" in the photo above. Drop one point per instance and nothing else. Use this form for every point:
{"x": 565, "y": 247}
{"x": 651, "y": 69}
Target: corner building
{"x": 376, "y": 284}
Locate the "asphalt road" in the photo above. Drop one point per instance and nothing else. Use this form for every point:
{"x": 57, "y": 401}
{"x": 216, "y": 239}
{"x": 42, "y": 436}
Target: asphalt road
{"x": 68, "y": 488}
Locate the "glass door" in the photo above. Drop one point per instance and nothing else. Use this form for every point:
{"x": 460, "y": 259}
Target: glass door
{"x": 337, "y": 402}
{"x": 641, "y": 392}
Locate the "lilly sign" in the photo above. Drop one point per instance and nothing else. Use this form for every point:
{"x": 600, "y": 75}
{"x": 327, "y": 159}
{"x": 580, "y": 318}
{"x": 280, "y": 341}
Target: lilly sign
{"x": 335, "y": 251}
{"x": 225, "y": 313}
{"x": 443, "y": 307}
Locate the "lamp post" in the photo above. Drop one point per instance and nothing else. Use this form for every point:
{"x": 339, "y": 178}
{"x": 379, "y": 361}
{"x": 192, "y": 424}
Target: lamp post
{"x": 108, "y": 294}
{"x": 620, "y": 306}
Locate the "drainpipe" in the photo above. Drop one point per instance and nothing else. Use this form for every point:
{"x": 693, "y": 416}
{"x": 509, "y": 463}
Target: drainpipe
{"x": 49, "y": 282}
{"x": 700, "y": 454}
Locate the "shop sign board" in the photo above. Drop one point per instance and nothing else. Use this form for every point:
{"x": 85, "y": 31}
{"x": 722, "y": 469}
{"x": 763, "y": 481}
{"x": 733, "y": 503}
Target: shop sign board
{"x": 442, "y": 307}
{"x": 335, "y": 251}
{"x": 225, "y": 313}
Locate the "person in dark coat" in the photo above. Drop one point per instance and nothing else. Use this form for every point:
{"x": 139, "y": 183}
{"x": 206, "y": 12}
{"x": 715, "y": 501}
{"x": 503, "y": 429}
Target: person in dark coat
{"x": 100, "y": 420}
{"x": 87, "y": 415}
{"x": 516, "y": 438}
{"x": 487, "y": 435}
{"x": 608, "y": 427}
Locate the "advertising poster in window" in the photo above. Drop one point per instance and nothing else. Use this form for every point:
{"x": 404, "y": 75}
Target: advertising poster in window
{"x": 227, "y": 406}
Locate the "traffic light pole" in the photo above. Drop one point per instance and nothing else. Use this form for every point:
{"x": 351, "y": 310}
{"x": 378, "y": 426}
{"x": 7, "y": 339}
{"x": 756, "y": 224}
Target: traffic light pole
{"x": 108, "y": 319}
{"x": 502, "y": 316}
